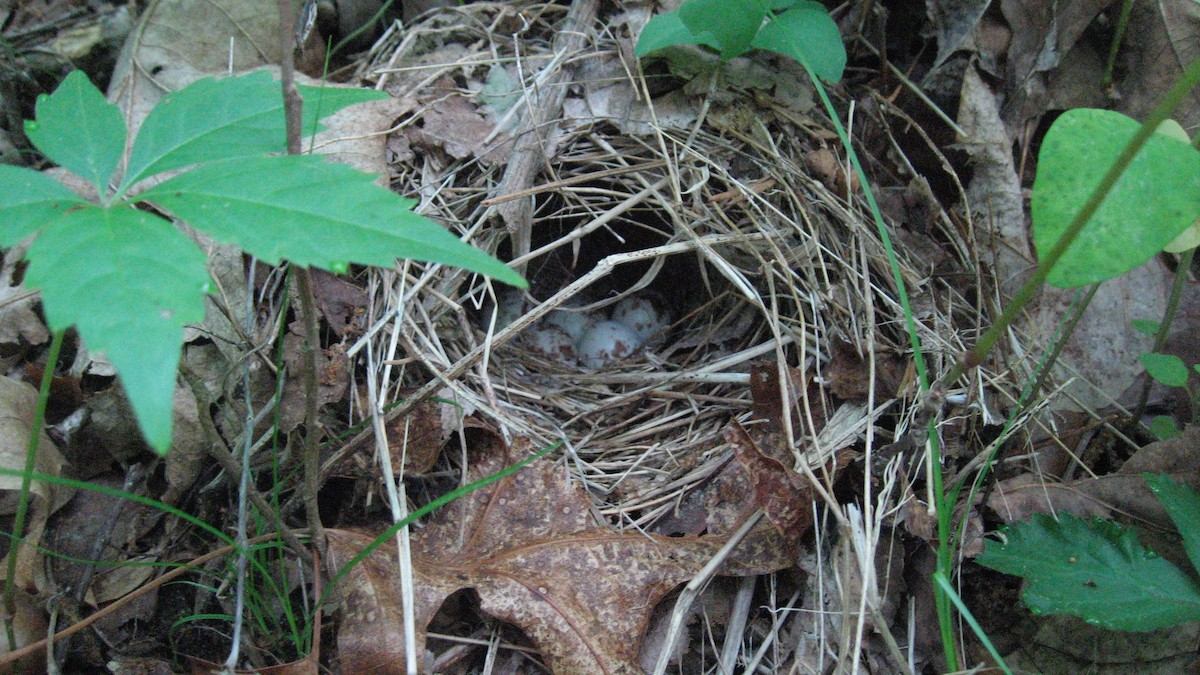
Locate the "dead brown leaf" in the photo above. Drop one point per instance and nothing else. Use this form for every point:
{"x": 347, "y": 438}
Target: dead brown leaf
{"x": 455, "y": 125}
{"x": 531, "y": 548}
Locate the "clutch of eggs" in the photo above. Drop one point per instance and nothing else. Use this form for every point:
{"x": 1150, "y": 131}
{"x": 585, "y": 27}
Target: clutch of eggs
{"x": 589, "y": 338}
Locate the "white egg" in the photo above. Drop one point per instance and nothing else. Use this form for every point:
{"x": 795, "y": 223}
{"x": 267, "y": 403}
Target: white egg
{"x": 644, "y": 314}
{"x": 605, "y": 342}
{"x": 551, "y": 343}
{"x": 574, "y": 323}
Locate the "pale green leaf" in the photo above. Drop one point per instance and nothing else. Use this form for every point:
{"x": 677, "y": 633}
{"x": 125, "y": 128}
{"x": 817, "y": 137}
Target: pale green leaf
{"x": 1166, "y": 369}
{"x": 1156, "y": 199}
{"x": 313, "y": 212}
{"x": 213, "y": 119}
{"x": 667, "y": 30}
{"x": 28, "y": 201}
{"x": 128, "y": 281}
{"x": 79, "y": 130}
{"x": 806, "y": 33}
{"x": 1095, "y": 570}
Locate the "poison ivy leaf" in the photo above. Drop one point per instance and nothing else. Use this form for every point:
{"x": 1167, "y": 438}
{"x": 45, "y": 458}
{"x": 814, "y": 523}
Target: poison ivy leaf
{"x": 28, "y": 201}
{"x": 1166, "y": 369}
{"x": 807, "y": 34}
{"x": 1183, "y": 505}
{"x": 731, "y": 24}
{"x": 1096, "y": 570}
{"x": 213, "y": 119}
{"x": 667, "y": 30}
{"x": 79, "y": 130}
{"x": 1157, "y": 198}
{"x": 129, "y": 281}
{"x": 313, "y": 212}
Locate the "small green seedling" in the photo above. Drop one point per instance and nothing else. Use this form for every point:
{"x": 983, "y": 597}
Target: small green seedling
{"x": 798, "y": 29}
{"x": 1098, "y": 571}
{"x": 129, "y": 280}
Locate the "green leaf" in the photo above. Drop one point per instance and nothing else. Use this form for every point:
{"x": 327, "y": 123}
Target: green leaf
{"x": 1095, "y": 570}
{"x": 807, "y": 34}
{"x": 667, "y": 30}
{"x": 313, "y": 212}
{"x": 1183, "y": 505}
{"x": 731, "y": 24}
{"x": 129, "y": 281}
{"x": 1166, "y": 369}
{"x": 1164, "y": 428}
{"x": 1145, "y": 327}
{"x": 1157, "y": 197}
{"x": 28, "y": 201}
{"x": 79, "y": 130}
{"x": 214, "y": 119}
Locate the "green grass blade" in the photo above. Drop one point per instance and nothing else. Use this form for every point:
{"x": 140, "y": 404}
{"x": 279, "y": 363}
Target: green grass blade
{"x": 314, "y": 213}
{"x": 940, "y": 579}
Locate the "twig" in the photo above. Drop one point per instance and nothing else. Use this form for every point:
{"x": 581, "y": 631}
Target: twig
{"x": 529, "y": 156}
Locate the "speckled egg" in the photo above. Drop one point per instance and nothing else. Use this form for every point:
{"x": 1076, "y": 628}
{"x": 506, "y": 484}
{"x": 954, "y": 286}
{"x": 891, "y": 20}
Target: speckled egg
{"x": 644, "y": 314}
{"x": 605, "y": 342}
{"x": 574, "y": 323}
{"x": 551, "y": 343}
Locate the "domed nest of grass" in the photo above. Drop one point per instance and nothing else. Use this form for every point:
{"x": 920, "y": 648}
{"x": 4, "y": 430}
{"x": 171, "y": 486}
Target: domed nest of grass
{"x": 726, "y": 197}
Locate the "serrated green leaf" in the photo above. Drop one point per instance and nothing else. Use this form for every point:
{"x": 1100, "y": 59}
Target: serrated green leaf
{"x": 1183, "y": 505}
{"x": 1095, "y": 570}
{"x": 79, "y": 130}
{"x": 731, "y": 24}
{"x": 28, "y": 201}
{"x": 667, "y": 30}
{"x": 809, "y": 35}
{"x": 1157, "y": 198}
{"x": 128, "y": 281}
{"x": 213, "y": 119}
{"x": 1166, "y": 369}
{"x": 313, "y": 212}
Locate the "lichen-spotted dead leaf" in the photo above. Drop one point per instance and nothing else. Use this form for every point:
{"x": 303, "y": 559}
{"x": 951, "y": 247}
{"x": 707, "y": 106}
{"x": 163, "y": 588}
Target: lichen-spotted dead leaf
{"x": 532, "y": 550}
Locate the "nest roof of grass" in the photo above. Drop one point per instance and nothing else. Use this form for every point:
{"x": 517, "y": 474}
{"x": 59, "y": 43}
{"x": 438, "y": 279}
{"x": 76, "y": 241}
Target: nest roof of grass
{"x": 724, "y": 192}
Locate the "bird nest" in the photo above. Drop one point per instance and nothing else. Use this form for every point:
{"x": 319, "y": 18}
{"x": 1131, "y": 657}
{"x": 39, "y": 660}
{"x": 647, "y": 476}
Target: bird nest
{"x": 719, "y": 194}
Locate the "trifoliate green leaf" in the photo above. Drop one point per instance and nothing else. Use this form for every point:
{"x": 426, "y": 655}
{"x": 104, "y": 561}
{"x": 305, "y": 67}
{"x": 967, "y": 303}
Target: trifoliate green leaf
{"x": 313, "y": 212}
{"x": 28, "y": 201}
{"x": 1095, "y": 570}
{"x": 128, "y": 281}
{"x": 79, "y": 130}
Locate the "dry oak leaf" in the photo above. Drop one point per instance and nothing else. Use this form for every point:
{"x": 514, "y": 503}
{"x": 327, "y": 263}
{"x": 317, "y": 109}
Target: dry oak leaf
{"x": 532, "y": 550}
